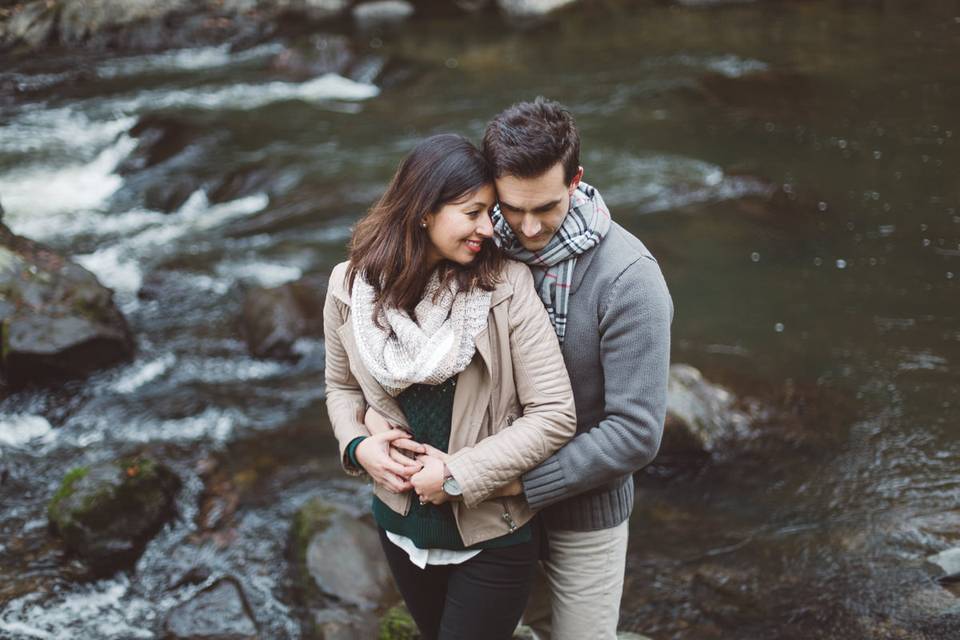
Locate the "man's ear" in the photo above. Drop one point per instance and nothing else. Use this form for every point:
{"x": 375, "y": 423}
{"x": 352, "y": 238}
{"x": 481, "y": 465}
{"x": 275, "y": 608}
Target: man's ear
{"x": 576, "y": 180}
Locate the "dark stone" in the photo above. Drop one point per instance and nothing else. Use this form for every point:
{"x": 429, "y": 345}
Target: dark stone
{"x": 219, "y": 612}
{"x": 169, "y": 195}
{"x": 242, "y": 182}
{"x": 159, "y": 139}
{"x": 106, "y": 513}
{"x": 57, "y": 321}
{"x": 275, "y": 318}
{"x": 329, "y": 54}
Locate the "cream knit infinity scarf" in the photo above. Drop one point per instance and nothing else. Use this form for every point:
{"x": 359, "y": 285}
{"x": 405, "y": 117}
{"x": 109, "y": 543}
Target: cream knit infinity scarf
{"x": 437, "y": 343}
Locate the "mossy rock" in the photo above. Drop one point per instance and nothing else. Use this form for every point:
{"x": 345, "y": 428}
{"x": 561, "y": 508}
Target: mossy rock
{"x": 398, "y": 624}
{"x": 106, "y": 513}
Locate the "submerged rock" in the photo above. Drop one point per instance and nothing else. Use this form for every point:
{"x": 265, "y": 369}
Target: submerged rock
{"x": 531, "y": 8}
{"x": 949, "y": 564}
{"x": 57, "y": 321}
{"x": 370, "y": 14}
{"x": 275, "y": 318}
{"x": 338, "y": 555}
{"x": 220, "y": 611}
{"x": 699, "y": 414}
{"x": 106, "y": 513}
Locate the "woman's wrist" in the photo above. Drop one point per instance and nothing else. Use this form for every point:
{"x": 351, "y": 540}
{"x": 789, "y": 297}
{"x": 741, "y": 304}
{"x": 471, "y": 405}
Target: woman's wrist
{"x": 351, "y": 451}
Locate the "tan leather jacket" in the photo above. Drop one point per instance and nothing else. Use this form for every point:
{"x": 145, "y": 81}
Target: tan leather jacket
{"x": 513, "y": 406}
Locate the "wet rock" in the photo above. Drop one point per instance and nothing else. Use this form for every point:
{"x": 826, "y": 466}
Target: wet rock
{"x": 80, "y": 20}
{"x": 57, "y": 321}
{"x": 329, "y": 54}
{"x": 337, "y": 554}
{"x": 31, "y": 24}
{"x": 169, "y": 195}
{"x": 949, "y": 564}
{"x": 106, "y": 513}
{"x": 728, "y": 595}
{"x": 159, "y": 138}
{"x": 699, "y": 414}
{"x": 370, "y": 14}
{"x": 317, "y": 9}
{"x": 275, "y": 318}
{"x": 221, "y": 611}
{"x": 246, "y": 181}
{"x": 472, "y": 6}
{"x": 531, "y": 8}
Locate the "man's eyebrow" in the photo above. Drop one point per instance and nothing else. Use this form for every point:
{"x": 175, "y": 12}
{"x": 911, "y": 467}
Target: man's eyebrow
{"x": 543, "y": 207}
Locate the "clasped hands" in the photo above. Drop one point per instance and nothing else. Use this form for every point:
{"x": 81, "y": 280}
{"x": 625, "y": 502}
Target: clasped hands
{"x": 400, "y": 463}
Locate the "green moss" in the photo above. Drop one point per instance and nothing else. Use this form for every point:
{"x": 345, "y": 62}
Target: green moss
{"x": 66, "y": 489}
{"x": 313, "y": 517}
{"x": 396, "y": 624}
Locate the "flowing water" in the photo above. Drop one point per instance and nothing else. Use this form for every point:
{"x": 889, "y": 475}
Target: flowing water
{"x": 793, "y": 166}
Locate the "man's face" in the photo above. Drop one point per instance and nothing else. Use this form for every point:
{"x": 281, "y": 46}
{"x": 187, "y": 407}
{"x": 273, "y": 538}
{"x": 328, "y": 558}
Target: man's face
{"x": 535, "y": 207}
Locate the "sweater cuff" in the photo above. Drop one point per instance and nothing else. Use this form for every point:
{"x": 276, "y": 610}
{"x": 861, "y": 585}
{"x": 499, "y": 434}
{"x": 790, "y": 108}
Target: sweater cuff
{"x": 545, "y": 484}
{"x": 350, "y": 453}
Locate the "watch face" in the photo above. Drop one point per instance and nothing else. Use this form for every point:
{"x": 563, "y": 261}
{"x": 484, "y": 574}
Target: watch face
{"x": 452, "y": 487}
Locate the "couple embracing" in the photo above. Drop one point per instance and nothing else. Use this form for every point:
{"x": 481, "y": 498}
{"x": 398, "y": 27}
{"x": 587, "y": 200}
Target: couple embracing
{"x": 497, "y": 353}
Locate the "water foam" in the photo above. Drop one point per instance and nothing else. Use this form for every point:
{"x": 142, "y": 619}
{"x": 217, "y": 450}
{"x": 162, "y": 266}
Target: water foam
{"x": 327, "y": 88}
{"x": 194, "y": 59}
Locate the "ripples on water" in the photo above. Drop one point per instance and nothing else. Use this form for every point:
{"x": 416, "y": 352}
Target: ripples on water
{"x": 793, "y": 167}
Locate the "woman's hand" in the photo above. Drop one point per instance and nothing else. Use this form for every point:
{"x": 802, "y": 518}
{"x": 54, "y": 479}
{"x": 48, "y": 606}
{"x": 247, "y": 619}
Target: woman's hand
{"x": 377, "y": 424}
{"x": 428, "y": 483}
{"x": 373, "y": 454}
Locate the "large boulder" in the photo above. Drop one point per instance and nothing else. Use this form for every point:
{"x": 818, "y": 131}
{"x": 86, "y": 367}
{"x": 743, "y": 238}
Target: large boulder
{"x": 106, "y": 513}
{"x": 337, "y": 555}
{"x": 700, "y": 415}
{"x": 57, "y": 321}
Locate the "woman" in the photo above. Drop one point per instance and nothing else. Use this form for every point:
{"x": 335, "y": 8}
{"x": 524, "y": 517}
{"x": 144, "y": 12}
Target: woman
{"x": 430, "y": 327}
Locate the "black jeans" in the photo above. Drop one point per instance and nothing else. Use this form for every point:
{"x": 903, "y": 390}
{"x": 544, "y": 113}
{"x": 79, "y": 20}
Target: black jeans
{"x": 482, "y": 598}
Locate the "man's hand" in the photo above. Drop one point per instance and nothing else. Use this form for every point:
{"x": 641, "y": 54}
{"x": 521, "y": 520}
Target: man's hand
{"x": 512, "y": 488}
{"x": 375, "y": 422}
{"x": 373, "y": 454}
{"x": 428, "y": 483}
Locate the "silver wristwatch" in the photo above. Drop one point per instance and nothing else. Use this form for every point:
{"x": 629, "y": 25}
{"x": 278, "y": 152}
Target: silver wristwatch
{"x": 450, "y": 485}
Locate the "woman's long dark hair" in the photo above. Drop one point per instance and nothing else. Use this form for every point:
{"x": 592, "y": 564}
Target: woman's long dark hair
{"x": 390, "y": 247}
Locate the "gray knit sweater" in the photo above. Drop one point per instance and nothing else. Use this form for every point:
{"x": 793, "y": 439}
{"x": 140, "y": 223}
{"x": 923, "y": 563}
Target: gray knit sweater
{"x": 617, "y": 352}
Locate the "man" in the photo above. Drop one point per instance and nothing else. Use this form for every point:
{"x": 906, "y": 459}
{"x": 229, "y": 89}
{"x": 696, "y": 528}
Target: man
{"x": 612, "y": 312}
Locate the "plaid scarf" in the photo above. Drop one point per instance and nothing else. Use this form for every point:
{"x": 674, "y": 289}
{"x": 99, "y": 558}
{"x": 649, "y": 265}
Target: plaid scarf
{"x": 585, "y": 225}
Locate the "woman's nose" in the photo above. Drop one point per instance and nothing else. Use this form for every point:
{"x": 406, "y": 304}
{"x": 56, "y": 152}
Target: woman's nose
{"x": 485, "y": 227}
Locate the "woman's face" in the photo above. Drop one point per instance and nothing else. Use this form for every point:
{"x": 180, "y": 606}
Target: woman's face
{"x": 458, "y": 230}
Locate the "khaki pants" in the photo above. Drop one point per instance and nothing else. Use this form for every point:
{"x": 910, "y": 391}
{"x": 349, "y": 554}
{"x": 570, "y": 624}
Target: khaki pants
{"x": 576, "y": 593}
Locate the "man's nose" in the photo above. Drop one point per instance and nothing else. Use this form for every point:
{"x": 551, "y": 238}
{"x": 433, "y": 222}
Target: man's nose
{"x": 530, "y": 227}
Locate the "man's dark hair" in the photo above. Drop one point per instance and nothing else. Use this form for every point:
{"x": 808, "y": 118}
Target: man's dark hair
{"x": 528, "y": 138}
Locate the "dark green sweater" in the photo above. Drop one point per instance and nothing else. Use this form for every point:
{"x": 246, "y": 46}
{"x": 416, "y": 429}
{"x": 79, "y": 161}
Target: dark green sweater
{"x": 429, "y": 411}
